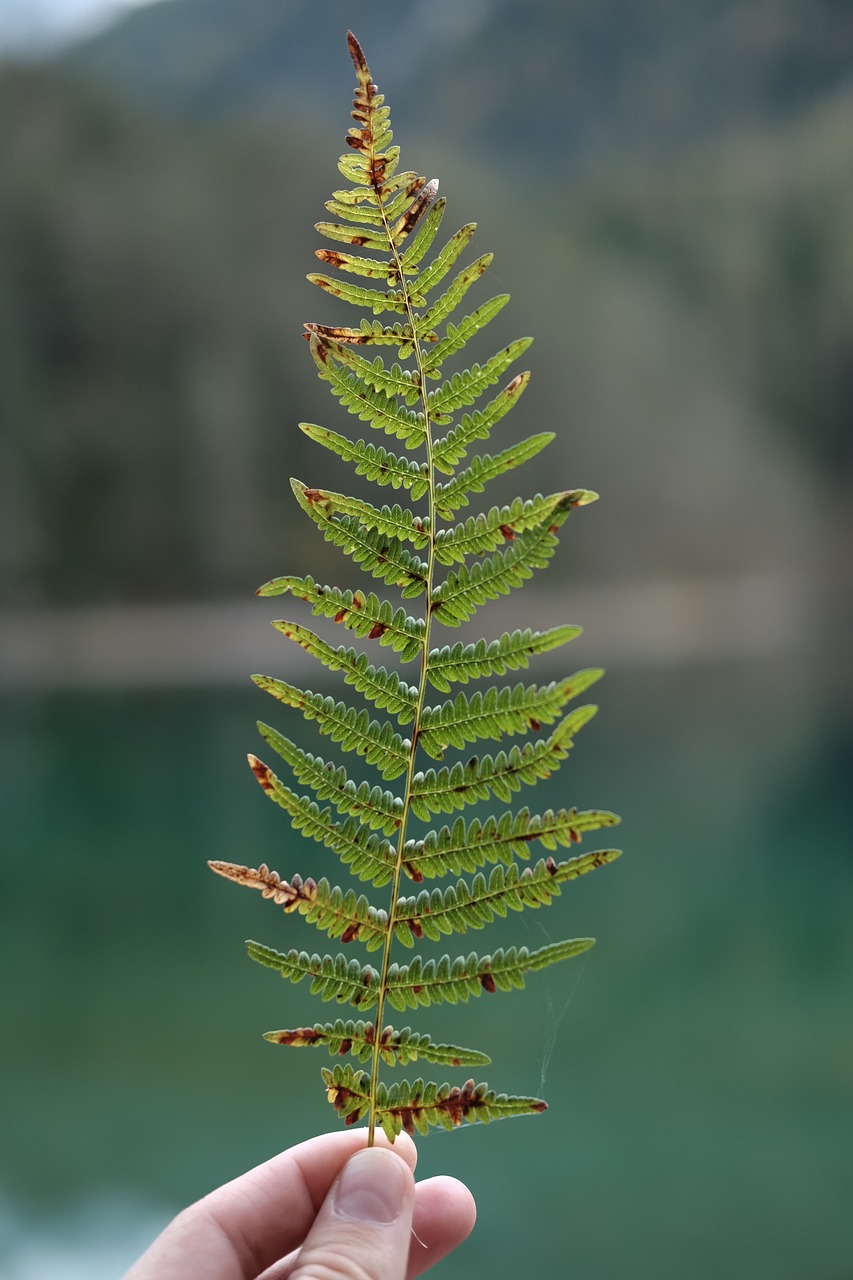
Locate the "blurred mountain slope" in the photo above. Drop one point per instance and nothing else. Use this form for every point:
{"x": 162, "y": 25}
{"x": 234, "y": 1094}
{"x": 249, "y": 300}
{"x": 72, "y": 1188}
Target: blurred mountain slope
{"x": 554, "y": 82}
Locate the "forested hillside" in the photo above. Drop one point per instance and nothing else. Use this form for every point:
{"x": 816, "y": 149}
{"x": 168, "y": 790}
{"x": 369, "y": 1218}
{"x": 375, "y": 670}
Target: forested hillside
{"x": 691, "y": 298}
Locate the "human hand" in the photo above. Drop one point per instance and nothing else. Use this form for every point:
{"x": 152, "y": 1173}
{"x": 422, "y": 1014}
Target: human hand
{"x": 328, "y": 1207}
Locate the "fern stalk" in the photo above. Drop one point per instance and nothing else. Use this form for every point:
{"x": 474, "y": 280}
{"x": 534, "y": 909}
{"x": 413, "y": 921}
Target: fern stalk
{"x": 487, "y": 555}
{"x": 358, "y": 59}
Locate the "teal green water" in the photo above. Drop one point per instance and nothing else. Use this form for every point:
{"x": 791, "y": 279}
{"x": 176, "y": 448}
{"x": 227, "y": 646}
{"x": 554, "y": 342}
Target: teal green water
{"x": 698, "y": 1061}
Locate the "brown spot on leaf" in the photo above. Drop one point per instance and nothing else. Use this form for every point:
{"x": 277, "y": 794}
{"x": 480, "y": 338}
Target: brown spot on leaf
{"x": 351, "y": 933}
{"x": 264, "y": 775}
{"x": 341, "y": 614}
{"x": 487, "y": 982}
{"x": 416, "y": 928}
{"x": 377, "y": 630}
{"x": 299, "y": 1037}
{"x": 332, "y": 256}
{"x": 551, "y": 866}
{"x": 416, "y": 209}
{"x": 534, "y": 724}
{"x": 574, "y": 835}
{"x": 357, "y": 54}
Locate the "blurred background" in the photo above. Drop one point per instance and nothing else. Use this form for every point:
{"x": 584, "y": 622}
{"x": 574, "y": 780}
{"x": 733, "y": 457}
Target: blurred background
{"x": 668, "y": 189}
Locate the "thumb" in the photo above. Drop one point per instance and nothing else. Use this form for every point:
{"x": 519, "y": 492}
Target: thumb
{"x": 363, "y": 1229}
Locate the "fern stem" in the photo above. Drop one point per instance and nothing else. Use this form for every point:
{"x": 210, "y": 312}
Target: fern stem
{"x": 422, "y": 688}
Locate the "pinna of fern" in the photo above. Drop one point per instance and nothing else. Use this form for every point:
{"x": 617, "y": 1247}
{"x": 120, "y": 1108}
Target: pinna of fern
{"x": 384, "y": 225}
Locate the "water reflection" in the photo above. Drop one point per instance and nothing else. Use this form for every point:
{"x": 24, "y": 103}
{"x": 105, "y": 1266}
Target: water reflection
{"x": 701, "y": 1083}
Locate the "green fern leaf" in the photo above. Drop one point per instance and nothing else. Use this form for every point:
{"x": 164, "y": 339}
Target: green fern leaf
{"x": 370, "y": 268}
{"x": 384, "y": 688}
{"x": 365, "y": 615}
{"x": 372, "y": 461}
{"x": 485, "y": 467}
{"x": 359, "y": 296}
{"x": 394, "y": 216}
{"x": 370, "y": 333}
{"x": 493, "y": 529}
{"x": 450, "y": 299}
{"x": 498, "y": 712}
{"x": 460, "y": 662}
{"x": 354, "y": 730}
{"x": 467, "y": 847}
{"x": 464, "y": 906}
{"x": 449, "y": 451}
{"x": 444, "y": 259}
{"x": 447, "y": 789}
{"x": 375, "y": 808}
{"x": 466, "y": 387}
{"x": 359, "y": 1038}
{"x": 421, "y": 982}
{"x": 417, "y": 1106}
{"x": 366, "y": 855}
{"x": 420, "y": 246}
{"x": 457, "y": 335}
{"x": 376, "y": 551}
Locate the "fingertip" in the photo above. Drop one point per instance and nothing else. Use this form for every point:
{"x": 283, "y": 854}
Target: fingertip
{"x": 455, "y": 1201}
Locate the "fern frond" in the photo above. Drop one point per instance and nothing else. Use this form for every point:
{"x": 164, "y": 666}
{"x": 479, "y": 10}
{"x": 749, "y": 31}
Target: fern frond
{"x": 460, "y": 662}
{"x": 416, "y": 1106}
{"x": 359, "y": 1038}
{"x": 372, "y": 461}
{"x": 394, "y": 216}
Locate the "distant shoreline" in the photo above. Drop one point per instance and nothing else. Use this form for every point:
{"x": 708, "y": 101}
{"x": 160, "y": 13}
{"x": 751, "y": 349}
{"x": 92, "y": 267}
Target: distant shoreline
{"x": 653, "y": 623}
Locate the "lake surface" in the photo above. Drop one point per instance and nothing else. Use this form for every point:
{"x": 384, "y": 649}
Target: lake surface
{"x": 698, "y": 1062}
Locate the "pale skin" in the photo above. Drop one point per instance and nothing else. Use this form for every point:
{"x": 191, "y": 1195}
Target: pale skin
{"x": 328, "y": 1209}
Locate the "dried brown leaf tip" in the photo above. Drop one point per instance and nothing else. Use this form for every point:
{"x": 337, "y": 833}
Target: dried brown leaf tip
{"x": 415, "y": 699}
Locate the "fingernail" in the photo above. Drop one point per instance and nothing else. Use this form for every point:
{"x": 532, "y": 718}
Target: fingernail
{"x": 372, "y": 1187}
